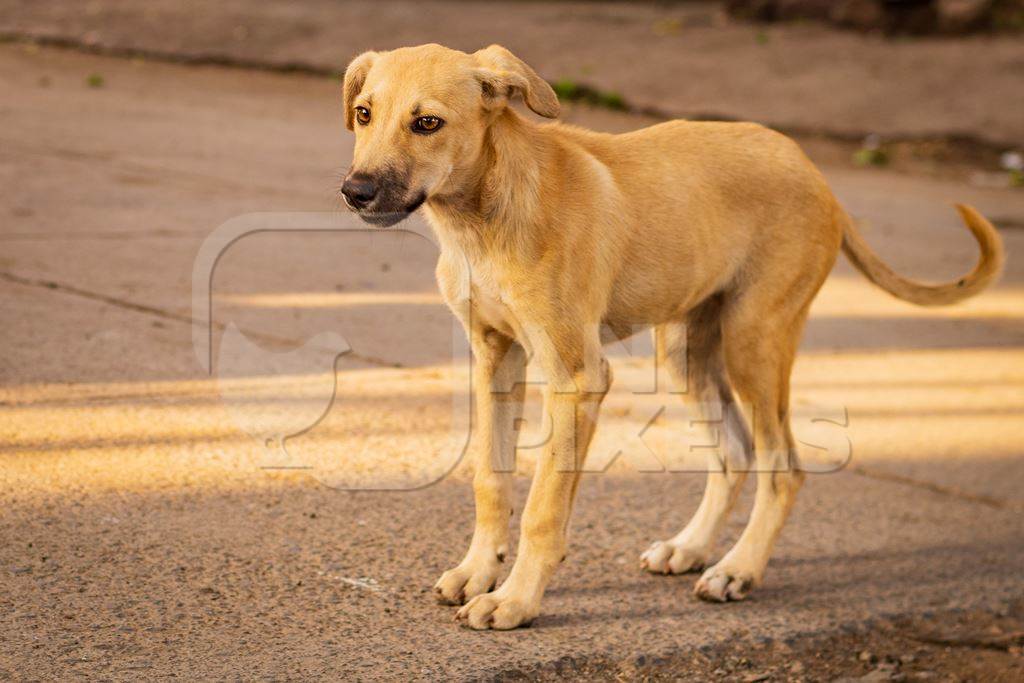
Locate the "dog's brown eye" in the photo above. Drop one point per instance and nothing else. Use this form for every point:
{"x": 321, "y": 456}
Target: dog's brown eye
{"x": 362, "y": 115}
{"x": 426, "y": 124}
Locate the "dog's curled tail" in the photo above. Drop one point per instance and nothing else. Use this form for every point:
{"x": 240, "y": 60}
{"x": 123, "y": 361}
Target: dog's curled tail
{"x": 988, "y": 268}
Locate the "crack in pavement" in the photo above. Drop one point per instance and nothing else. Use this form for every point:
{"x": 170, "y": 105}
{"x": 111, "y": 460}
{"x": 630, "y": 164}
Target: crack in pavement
{"x": 166, "y": 56}
{"x": 950, "y": 491}
{"x": 111, "y": 235}
{"x": 179, "y": 317}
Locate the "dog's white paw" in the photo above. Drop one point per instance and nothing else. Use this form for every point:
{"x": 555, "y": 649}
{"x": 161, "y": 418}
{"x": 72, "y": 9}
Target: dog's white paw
{"x": 666, "y": 557}
{"x": 466, "y": 581}
{"x": 723, "y": 583}
{"x": 497, "y": 610}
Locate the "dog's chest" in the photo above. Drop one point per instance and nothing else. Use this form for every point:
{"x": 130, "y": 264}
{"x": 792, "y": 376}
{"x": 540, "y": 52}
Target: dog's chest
{"x": 490, "y": 301}
{"x": 475, "y": 287}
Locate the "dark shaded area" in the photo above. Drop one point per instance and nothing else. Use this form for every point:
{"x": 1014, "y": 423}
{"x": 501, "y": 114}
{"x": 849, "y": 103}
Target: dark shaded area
{"x": 951, "y": 646}
{"x": 919, "y": 17}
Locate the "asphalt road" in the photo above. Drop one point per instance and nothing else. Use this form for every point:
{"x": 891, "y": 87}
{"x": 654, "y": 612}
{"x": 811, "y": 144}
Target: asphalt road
{"x": 142, "y": 534}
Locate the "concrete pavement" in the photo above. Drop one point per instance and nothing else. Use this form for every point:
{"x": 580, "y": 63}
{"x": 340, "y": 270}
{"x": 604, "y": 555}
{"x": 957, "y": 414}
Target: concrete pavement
{"x": 141, "y": 538}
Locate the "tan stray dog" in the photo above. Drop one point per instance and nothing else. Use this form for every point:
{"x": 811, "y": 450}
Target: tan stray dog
{"x": 717, "y": 235}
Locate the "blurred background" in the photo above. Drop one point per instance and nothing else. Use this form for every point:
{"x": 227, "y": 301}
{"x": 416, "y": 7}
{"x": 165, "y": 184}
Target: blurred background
{"x": 164, "y": 516}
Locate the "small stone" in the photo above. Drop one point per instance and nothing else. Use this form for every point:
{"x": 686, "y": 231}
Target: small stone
{"x": 866, "y": 656}
{"x": 796, "y": 668}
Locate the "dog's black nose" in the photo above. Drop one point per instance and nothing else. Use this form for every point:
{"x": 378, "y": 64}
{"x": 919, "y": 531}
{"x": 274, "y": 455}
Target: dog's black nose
{"x": 359, "y": 190}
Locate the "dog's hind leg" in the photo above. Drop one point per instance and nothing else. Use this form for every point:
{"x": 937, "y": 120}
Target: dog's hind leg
{"x": 693, "y": 355}
{"x": 760, "y": 337}
{"x": 499, "y": 373}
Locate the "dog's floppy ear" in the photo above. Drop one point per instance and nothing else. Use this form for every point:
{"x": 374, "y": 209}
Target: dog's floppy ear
{"x": 503, "y": 75}
{"x": 355, "y": 76}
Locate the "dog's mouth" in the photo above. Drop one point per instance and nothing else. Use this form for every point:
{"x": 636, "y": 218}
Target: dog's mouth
{"x": 385, "y": 217}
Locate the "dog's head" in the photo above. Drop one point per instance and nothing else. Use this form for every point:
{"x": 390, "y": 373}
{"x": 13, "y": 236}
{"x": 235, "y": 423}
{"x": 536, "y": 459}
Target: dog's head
{"x": 420, "y": 115}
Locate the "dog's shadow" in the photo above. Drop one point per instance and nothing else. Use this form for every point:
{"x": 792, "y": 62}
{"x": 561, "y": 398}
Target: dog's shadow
{"x": 656, "y": 596}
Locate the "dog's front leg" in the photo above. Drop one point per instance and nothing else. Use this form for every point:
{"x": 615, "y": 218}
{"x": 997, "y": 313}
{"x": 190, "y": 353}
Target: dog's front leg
{"x": 499, "y": 373}
{"x": 572, "y": 413}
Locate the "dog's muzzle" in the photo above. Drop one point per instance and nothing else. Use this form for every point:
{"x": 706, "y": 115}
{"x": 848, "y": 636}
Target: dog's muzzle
{"x": 378, "y": 203}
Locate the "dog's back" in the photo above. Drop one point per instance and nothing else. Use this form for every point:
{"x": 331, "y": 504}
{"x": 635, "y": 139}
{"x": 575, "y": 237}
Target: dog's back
{"x": 697, "y": 203}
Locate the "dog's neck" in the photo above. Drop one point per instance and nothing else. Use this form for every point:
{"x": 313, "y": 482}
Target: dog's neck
{"x": 496, "y": 201}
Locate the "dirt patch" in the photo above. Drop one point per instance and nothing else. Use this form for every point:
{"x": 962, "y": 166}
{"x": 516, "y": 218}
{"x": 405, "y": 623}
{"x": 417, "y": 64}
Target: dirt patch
{"x": 963, "y": 646}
